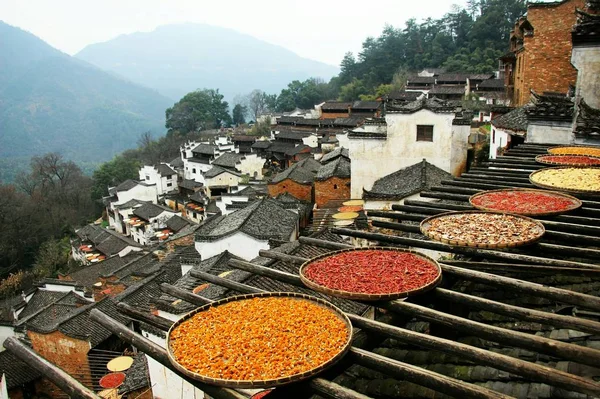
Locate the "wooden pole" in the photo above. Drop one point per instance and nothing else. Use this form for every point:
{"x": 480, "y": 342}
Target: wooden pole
{"x": 233, "y": 285}
{"x": 437, "y": 246}
{"x": 281, "y": 256}
{"x": 334, "y": 246}
{"x": 157, "y": 353}
{"x": 528, "y": 370}
{"x": 332, "y": 390}
{"x": 420, "y": 376}
{"x": 60, "y": 378}
{"x": 266, "y": 271}
{"x": 189, "y": 297}
{"x": 517, "y": 312}
{"x": 161, "y": 322}
{"x": 522, "y": 268}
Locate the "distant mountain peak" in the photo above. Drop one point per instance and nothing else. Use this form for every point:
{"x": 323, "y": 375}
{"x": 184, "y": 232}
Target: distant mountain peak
{"x": 178, "y": 58}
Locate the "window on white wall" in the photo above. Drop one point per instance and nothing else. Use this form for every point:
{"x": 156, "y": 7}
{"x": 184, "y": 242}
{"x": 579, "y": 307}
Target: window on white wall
{"x": 424, "y": 132}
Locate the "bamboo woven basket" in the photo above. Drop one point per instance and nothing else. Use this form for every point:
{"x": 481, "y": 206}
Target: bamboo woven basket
{"x": 554, "y": 188}
{"x": 251, "y": 384}
{"x": 540, "y": 159}
{"x": 426, "y": 224}
{"x": 576, "y": 202}
{"x": 552, "y": 150}
{"x": 368, "y": 297}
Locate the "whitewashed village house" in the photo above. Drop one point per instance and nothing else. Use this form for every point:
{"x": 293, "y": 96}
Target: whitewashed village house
{"x": 429, "y": 129}
{"x": 123, "y": 198}
{"x": 251, "y": 165}
{"x": 163, "y": 176}
{"x": 147, "y": 220}
{"x": 243, "y": 233}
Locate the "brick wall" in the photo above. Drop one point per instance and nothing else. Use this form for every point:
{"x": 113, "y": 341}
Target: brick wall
{"x": 301, "y": 191}
{"x": 546, "y": 59}
{"x": 67, "y": 353}
{"x": 331, "y": 189}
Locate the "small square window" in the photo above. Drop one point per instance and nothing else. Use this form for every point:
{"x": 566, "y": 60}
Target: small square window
{"x": 194, "y": 170}
{"x": 424, "y": 132}
{"x": 169, "y": 184}
{"x": 147, "y": 177}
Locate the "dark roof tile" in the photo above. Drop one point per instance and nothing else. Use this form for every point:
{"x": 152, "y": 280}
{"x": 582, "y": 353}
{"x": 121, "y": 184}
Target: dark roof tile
{"x": 340, "y": 168}
{"x": 228, "y": 160}
{"x": 336, "y": 106}
{"x": 302, "y": 172}
{"x": 16, "y": 372}
{"x": 205, "y": 149}
{"x": 149, "y": 211}
{"x": 176, "y": 223}
{"x": 515, "y": 121}
{"x": 217, "y": 170}
{"x": 338, "y": 152}
{"x": 165, "y": 170}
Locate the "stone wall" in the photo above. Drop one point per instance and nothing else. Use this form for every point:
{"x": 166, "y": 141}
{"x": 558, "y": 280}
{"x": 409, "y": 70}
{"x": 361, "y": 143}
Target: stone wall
{"x": 302, "y": 192}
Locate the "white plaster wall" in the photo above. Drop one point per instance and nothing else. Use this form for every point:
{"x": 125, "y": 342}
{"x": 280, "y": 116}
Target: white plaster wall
{"x": 459, "y": 148}
{"x": 498, "y": 139}
{"x": 188, "y": 170}
{"x": 140, "y": 192}
{"x": 5, "y": 332}
{"x": 551, "y": 133}
{"x": 251, "y": 164}
{"x": 312, "y": 141}
{"x": 224, "y": 179}
{"x": 165, "y": 383}
{"x": 343, "y": 140}
{"x": 373, "y": 159}
{"x": 587, "y": 61}
{"x": 239, "y": 244}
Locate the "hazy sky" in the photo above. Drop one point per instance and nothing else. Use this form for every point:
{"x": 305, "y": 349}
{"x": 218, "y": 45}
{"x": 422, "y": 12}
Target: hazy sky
{"x": 321, "y": 30}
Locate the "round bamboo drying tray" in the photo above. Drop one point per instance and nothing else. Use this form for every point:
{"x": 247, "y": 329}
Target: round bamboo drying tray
{"x": 251, "y": 384}
{"x": 595, "y": 150}
{"x": 425, "y": 225}
{"x": 576, "y": 202}
{"x": 541, "y": 159}
{"x": 369, "y": 297}
{"x": 566, "y": 189}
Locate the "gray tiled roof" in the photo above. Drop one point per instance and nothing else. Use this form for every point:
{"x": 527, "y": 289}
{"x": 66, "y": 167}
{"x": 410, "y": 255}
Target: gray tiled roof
{"x": 217, "y": 170}
{"x": 550, "y": 108}
{"x": 213, "y": 265}
{"x": 106, "y": 241}
{"x": 515, "y": 121}
{"x": 491, "y": 84}
{"x": 588, "y": 120}
{"x": 127, "y": 185}
{"x": 130, "y": 204}
{"x": 302, "y": 172}
{"x": 228, "y": 160}
{"x": 338, "y": 152}
{"x": 149, "y": 211}
{"x": 404, "y": 95}
{"x": 366, "y": 105}
{"x": 421, "y": 80}
{"x": 40, "y": 299}
{"x": 16, "y": 372}
{"x": 6, "y": 308}
{"x": 340, "y": 167}
{"x": 432, "y": 104}
{"x": 263, "y": 219}
{"x": 297, "y": 150}
{"x": 453, "y": 77}
{"x": 176, "y": 162}
{"x": 177, "y": 223}
{"x": 407, "y": 181}
{"x": 206, "y": 149}
{"x": 352, "y": 121}
{"x": 447, "y": 90}
{"x": 136, "y": 377}
{"x": 292, "y": 135}
{"x": 190, "y": 184}
{"x": 164, "y": 170}
{"x": 336, "y": 106}
{"x": 261, "y": 144}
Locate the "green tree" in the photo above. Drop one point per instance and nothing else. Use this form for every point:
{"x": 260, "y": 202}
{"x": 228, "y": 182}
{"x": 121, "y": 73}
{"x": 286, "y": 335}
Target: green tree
{"x": 197, "y": 111}
{"x": 353, "y": 90}
{"x": 239, "y": 112}
{"x": 114, "y": 172}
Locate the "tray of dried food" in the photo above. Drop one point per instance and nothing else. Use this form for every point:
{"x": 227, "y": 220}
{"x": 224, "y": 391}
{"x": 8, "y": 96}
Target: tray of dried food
{"x": 525, "y": 201}
{"x": 482, "y": 229}
{"x": 259, "y": 340}
{"x": 589, "y": 150}
{"x": 371, "y": 274}
{"x": 568, "y": 160}
{"x": 569, "y": 179}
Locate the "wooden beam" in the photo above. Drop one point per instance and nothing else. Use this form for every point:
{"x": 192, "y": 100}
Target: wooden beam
{"x": 420, "y": 376}
{"x": 59, "y": 377}
{"x": 522, "y": 268}
{"x": 267, "y": 272}
{"x": 149, "y": 318}
{"x": 557, "y": 294}
{"x": 233, "y": 285}
{"x": 281, "y": 256}
{"x": 521, "y": 313}
{"x": 158, "y": 353}
{"x": 334, "y": 246}
{"x": 189, "y": 297}
{"x": 576, "y": 353}
{"x": 437, "y": 246}
{"x": 528, "y": 370}
{"x": 332, "y": 390}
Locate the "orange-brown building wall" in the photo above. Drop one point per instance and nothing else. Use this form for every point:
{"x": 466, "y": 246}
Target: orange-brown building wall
{"x": 331, "y": 189}
{"x": 545, "y": 62}
{"x": 67, "y": 353}
{"x": 332, "y": 115}
{"x": 301, "y": 191}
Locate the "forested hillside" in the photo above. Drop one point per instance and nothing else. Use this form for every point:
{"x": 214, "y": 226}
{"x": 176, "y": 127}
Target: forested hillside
{"x": 51, "y": 102}
{"x": 469, "y": 39}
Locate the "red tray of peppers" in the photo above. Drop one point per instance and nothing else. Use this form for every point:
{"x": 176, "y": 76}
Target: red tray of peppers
{"x": 371, "y": 274}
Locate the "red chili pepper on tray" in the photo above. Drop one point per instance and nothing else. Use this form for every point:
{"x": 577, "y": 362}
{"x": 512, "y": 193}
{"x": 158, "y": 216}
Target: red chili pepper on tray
{"x": 372, "y": 271}
{"x": 522, "y": 202}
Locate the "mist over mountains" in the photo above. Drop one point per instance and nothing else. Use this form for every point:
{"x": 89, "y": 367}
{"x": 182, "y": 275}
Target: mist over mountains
{"x": 176, "y": 59}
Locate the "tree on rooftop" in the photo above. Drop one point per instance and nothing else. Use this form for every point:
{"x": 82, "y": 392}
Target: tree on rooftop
{"x": 197, "y": 111}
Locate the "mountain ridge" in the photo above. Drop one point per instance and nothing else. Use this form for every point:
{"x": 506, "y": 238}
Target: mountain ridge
{"x": 233, "y": 62}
